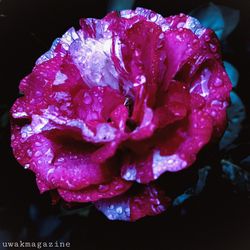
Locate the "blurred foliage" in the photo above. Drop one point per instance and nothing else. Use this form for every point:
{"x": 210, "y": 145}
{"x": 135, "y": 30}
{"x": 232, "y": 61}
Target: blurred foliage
{"x": 232, "y": 73}
{"x": 120, "y": 4}
{"x": 246, "y": 161}
{"x": 83, "y": 211}
{"x": 223, "y": 20}
{"x": 238, "y": 176}
{"x": 236, "y": 115}
{"x": 193, "y": 191}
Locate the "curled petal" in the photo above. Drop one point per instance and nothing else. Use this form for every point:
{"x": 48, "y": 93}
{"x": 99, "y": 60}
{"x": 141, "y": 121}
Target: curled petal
{"x": 93, "y": 193}
{"x": 147, "y": 201}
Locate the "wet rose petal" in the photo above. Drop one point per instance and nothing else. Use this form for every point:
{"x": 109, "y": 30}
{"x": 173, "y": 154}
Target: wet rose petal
{"x": 146, "y": 201}
{"x": 115, "y": 187}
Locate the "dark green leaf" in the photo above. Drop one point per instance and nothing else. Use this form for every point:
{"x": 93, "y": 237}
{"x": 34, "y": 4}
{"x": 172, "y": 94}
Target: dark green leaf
{"x": 83, "y": 211}
{"x": 120, "y": 4}
{"x": 183, "y": 197}
{"x": 236, "y": 115}
{"x": 203, "y": 173}
{"x": 236, "y": 175}
{"x": 48, "y": 225}
{"x": 211, "y": 17}
{"x": 246, "y": 161}
{"x": 232, "y": 73}
{"x": 193, "y": 191}
{"x": 231, "y": 19}
{"x": 223, "y": 20}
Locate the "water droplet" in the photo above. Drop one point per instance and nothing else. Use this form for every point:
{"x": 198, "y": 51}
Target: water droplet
{"x": 127, "y": 210}
{"x": 141, "y": 79}
{"x": 119, "y": 187}
{"x": 26, "y": 166}
{"x": 24, "y": 135}
{"x": 161, "y": 36}
{"x": 103, "y": 188}
{"x": 38, "y": 93}
{"x": 87, "y": 98}
{"x": 171, "y": 161}
{"x": 29, "y": 152}
{"x": 119, "y": 210}
{"x": 195, "y": 41}
{"x": 137, "y": 52}
{"x": 153, "y": 17}
{"x": 180, "y": 25}
{"x": 111, "y": 206}
{"x": 207, "y": 38}
{"x": 218, "y": 82}
{"x": 38, "y": 153}
{"x": 213, "y": 47}
{"x": 164, "y": 27}
{"x": 178, "y": 37}
{"x": 60, "y": 159}
{"x": 110, "y": 216}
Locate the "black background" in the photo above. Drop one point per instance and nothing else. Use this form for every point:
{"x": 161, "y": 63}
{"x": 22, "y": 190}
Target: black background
{"x": 218, "y": 219}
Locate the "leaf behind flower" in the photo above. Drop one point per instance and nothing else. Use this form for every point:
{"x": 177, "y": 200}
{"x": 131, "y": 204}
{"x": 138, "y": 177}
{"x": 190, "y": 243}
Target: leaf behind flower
{"x": 236, "y": 115}
{"x": 223, "y": 20}
{"x": 120, "y": 4}
{"x": 232, "y": 73}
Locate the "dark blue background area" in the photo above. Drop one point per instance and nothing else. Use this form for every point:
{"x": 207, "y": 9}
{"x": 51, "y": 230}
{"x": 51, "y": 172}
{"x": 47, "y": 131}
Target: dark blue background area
{"x": 217, "y": 219}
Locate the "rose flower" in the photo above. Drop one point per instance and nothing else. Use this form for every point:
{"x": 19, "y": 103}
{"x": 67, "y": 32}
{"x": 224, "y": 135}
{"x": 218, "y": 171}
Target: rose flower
{"x": 113, "y": 106}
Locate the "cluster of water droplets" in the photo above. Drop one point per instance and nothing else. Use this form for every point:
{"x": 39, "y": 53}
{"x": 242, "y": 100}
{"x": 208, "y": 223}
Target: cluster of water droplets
{"x": 115, "y": 210}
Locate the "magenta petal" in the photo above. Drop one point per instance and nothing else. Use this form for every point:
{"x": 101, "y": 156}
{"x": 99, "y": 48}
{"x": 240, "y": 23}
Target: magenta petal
{"x": 93, "y": 193}
{"x": 42, "y": 185}
{"x": 147, "y": 201}
{"x": 59, "y": 165}
{"x": 181, "y": 45}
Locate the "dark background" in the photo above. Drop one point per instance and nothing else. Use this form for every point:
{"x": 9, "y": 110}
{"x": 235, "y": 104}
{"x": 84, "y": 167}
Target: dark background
{"x": 218, "y": 219}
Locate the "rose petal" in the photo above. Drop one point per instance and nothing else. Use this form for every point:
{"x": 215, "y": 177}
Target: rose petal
{"x": 146, "y": 201}
{"x": 96, "y": 192}
{"x": 61, "y": 162}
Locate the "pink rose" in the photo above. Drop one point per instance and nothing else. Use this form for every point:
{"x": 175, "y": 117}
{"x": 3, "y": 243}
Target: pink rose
{"x": 112, "y": 106}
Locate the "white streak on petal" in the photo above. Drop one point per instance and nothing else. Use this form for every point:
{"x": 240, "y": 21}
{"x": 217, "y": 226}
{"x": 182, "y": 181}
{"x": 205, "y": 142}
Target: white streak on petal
{"x": 20, "y": 115}
{"x": 149, "y": 15}
{"x": 127, "y": 13}
{"x": 50, "y": 171}
{"x": 93, "y": 59}
{"x": 204, "y": 82}
{"x": 36, "y": 126}
{"x": 81, "y": 125}
{"x": 130, "y": 174}
{"x": 194, "y": 25}
{"x": 171, "y": 163}
{"x": 114, "y": 210}
{"x": 105, "y": 132}
{"x": 68, "y": 38}
{"x": 60, "y": 78}
{"x": 49, "y": 54}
